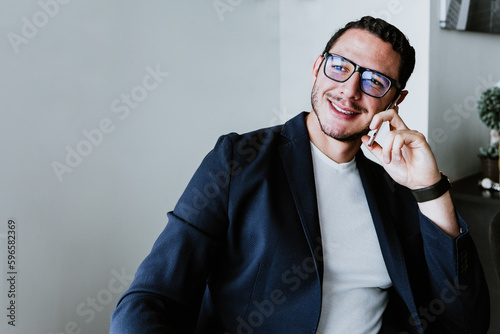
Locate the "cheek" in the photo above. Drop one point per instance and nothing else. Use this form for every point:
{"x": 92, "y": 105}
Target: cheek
{"x": 321, "y": 88}
{"x": 318, "y": 95}
{"x": 381, "y": 106}
{"x": 315, "y": 92}
{"x": 315, "y": 95}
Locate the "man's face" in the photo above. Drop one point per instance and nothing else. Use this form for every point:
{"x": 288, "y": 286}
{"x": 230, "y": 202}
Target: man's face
{"x": 343, "y": 110}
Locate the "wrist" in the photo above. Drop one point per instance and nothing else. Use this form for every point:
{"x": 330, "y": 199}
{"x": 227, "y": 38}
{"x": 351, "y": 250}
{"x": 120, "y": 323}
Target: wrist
{"x": 434, "y": 191}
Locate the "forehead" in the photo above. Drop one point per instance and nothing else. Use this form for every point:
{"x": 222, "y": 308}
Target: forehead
{"x": 368, "y": 50}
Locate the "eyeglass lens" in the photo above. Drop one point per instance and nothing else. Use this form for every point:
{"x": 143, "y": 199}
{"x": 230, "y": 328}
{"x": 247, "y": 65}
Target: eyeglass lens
{"x": 341, "y": 69}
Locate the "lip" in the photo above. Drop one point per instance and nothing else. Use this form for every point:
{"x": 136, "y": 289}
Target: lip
{"x": 342, "y": 112}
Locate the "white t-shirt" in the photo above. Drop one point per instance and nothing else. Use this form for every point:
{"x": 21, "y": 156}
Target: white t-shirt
{"x": 355, "y": 280}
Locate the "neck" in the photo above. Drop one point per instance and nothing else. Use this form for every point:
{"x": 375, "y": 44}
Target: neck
{"x": 337, "y": 150}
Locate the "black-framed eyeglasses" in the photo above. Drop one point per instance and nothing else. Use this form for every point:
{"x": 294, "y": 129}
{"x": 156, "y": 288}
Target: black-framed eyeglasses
{"x": 373, "y": 83}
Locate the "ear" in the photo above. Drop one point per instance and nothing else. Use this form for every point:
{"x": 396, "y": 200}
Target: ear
{"x": 401, "y": 97}
{"x": 316, "y": 67}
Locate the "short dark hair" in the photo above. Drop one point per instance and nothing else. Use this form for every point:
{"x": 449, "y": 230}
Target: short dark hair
{"x": 388, "y": 33}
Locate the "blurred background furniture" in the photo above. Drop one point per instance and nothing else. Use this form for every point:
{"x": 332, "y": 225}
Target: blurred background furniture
{"x": 495, "y": 242}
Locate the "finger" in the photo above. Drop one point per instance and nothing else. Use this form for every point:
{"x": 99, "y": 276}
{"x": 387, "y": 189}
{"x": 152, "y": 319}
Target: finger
{"x": 390, "y": 116}
{"x": 376, "y": 122}
{"x": 396, "y": 111}
{"x": 397, "y": 147}
{"x": 387, "y": 149}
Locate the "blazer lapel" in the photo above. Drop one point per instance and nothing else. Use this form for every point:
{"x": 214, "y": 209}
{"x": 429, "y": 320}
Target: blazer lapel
{"x": 295, "y": 152}
{"x": 378, "y": 190}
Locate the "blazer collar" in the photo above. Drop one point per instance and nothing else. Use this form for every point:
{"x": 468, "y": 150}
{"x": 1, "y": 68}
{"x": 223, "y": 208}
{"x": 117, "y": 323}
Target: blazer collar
{"x": 295, "y": 152}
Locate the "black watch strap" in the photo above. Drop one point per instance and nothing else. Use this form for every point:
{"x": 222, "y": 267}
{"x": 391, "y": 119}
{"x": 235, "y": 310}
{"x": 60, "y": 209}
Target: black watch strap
{"x": 434, "y": 191}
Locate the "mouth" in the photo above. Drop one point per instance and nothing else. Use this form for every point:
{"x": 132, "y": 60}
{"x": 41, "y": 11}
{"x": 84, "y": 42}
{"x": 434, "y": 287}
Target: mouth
{"x": 346, "y": 113}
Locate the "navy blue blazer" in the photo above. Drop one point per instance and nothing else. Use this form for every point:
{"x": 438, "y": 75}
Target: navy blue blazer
{"x": 241, "y": 252}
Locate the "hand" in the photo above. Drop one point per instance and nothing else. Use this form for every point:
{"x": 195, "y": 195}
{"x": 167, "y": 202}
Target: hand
{"x": 405, "y": 154}
{"x": 408, "y": 159}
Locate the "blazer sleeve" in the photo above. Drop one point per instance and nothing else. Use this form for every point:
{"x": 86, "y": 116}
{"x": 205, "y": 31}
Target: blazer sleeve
{"x": 460, "y": 301}
{"x": 168, "y": 286}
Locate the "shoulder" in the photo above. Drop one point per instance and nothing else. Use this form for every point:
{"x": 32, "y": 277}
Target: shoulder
{"x": 250, "y": 145}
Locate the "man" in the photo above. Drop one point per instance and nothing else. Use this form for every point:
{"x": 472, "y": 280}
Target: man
{"x": 292, "y": 230}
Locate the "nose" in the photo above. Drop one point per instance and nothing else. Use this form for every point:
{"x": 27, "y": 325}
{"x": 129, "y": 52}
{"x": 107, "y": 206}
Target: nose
{"x": 351, "y": 88}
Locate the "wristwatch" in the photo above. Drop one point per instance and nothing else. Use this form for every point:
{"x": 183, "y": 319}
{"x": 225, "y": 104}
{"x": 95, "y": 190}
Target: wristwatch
{"x": 434, "y": 191}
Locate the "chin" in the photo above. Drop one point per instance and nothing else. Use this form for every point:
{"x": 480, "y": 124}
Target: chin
{"x": 344, "y": 137}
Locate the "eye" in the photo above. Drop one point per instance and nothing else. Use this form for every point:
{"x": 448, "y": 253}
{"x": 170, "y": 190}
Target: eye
{"x": 375, "y": 80}
{"x": 340, "y": 65}
{"x": 377, "y": 83}
{"x": 339, "y": 68}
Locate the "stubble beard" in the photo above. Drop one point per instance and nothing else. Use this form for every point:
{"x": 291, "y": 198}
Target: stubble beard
{"x": 343, "y": 137}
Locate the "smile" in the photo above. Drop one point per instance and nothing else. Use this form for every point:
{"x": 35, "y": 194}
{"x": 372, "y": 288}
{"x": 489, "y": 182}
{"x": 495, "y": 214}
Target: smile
{"x": 345, "y": 112}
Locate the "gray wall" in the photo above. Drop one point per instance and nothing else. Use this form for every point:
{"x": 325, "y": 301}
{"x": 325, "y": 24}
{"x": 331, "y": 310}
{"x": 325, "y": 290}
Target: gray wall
{"x": 84, "y": 70}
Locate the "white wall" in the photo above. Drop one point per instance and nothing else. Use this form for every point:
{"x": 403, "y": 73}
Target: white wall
{"x": 79, "y": 232}
{"x": 462, "y": 65}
